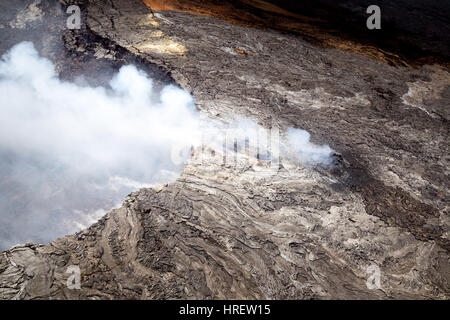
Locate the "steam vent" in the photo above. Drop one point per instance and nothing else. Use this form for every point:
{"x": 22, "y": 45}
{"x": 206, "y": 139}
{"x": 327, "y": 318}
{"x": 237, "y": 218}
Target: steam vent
{"x": 224, "y": 150}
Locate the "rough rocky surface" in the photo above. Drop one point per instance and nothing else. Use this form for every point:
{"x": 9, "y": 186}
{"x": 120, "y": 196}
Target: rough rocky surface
{"x": 226, "y": 231}
{"x": 412, "y": 34}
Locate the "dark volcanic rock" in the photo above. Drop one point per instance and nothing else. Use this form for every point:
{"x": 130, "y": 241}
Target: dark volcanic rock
{"x": 304, "y": 233}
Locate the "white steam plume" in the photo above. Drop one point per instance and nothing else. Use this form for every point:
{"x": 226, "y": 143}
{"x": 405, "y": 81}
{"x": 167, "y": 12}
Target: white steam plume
{"x": 300, "y": 149}
{"x": 67, "y": 149}
{"x": 67, "y": 152}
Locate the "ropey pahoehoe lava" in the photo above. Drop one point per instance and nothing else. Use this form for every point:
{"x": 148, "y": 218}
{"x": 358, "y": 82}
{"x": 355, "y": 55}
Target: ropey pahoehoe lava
{"x": 252, "y": 150}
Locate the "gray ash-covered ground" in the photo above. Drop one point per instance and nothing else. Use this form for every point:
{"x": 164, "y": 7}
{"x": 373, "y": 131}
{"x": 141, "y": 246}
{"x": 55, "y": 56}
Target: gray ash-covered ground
{"x": 305, "y": 233}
